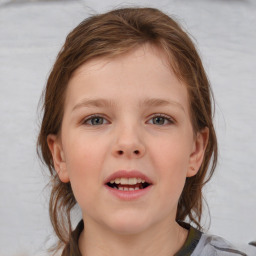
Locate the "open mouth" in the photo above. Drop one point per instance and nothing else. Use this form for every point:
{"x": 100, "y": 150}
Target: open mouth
{"x": 128, "y": 184}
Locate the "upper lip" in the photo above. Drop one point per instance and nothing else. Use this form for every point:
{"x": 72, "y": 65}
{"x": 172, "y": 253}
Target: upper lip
{"x": 128, "y": 174}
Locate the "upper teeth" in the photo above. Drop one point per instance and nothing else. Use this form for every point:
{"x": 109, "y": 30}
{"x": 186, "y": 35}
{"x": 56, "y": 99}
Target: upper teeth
{"x": 127, "y": 181}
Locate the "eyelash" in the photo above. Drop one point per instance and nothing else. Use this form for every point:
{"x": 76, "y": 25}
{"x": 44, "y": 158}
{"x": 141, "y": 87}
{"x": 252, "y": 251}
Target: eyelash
{"x": 166, "y": 117}
{"x": 91, "y": 118}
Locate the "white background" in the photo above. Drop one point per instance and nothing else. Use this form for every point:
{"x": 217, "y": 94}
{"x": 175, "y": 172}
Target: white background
{"x": 31, "y": 34}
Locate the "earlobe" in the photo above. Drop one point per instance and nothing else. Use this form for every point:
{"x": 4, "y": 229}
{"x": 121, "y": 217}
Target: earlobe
{"x": 197, "y": 155}
{"x": 58, "y": 157}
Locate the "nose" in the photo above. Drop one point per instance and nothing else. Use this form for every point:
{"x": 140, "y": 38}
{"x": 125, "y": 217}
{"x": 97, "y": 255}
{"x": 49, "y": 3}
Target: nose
{"x": 128, "y": 144}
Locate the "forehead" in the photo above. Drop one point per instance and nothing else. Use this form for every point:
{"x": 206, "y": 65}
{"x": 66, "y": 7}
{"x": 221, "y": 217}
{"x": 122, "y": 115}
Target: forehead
{"x": 143, "y": 72}
{"x": 137, "y": 54}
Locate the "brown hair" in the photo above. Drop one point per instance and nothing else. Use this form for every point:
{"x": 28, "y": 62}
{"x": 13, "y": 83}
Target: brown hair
{"x": 111, "y": 34}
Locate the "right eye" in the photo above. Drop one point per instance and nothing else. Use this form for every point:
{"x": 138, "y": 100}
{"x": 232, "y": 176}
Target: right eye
{"x": 95, "y": 120}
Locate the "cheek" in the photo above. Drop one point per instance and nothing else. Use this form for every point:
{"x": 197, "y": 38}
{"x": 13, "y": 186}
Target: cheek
{"x": 84, "y": 166}
{"x": 171, "y": 160}
{"x": 83, "y": 153}
{"x": 172, "y": 154}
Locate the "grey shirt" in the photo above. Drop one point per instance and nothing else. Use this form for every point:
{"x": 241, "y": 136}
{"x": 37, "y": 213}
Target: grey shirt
{"x": 215, "y": 246}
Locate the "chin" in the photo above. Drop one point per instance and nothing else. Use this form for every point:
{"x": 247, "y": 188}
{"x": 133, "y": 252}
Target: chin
{"x": 129, "y": 224}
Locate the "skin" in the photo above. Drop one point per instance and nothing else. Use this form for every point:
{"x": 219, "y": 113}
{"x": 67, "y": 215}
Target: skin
{"x": 132, "y": 131}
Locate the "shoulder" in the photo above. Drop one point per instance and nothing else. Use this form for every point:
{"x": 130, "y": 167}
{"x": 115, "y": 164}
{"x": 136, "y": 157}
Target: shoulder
{"x": 215, "y": 246}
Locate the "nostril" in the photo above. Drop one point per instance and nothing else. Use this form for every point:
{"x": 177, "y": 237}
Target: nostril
{"x": 128, "y": 152}
{"x": 120, "y": 152}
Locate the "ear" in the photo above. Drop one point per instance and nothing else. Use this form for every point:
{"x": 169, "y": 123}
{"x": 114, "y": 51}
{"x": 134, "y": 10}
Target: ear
{"x": 58, "y": 157}
{"x": 197, "y": 154}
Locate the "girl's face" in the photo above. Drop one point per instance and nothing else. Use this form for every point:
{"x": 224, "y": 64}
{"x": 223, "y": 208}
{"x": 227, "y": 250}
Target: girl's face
{"x": 127, "y": 120}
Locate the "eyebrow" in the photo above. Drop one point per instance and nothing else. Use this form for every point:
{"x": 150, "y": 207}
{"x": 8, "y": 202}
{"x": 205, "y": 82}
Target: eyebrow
{"x": 99, "y": 103}
{"x": 148, "y": 102}
{"x": 156, "y": 102}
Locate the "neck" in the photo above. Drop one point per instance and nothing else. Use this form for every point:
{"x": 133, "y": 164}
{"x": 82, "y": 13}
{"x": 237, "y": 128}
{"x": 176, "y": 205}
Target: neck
{"x": 164, "y": 239}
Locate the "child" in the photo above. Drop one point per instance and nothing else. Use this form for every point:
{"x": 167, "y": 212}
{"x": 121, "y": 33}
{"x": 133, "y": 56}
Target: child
{"x": 127, "y": 134}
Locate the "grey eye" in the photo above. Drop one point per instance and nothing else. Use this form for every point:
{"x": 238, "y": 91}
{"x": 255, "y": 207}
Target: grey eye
{"x": 159, "y": 120}
{"x": 95, "y": 120}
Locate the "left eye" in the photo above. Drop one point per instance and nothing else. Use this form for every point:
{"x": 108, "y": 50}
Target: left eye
{"x": 160, "y": 120}
{"x": 95, "y": 120}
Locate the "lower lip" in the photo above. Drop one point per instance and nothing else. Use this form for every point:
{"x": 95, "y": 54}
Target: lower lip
{"x": 128, "y": 195}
